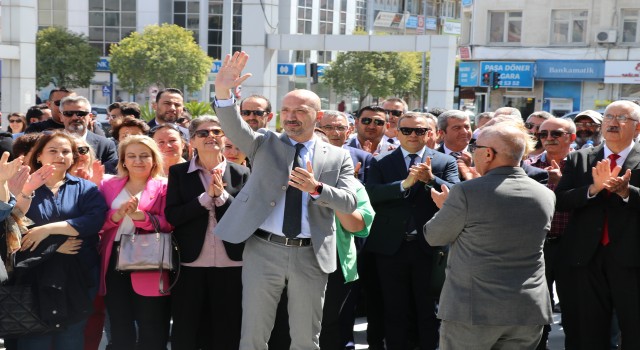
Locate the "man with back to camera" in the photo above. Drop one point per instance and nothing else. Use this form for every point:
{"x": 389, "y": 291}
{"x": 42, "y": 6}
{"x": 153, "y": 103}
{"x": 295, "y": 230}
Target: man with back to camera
{"x": 494, "y": 294}
{"x": 297, "y": 177}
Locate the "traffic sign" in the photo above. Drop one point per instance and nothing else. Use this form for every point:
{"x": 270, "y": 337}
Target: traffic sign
{"x": 103, "y": 65}
{"x": 285, "y": 69}
{"x": 106, "y": 91}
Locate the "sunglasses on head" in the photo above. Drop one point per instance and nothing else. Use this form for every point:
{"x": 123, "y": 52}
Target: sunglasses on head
{"x": 418, "y": 131}
{"x": 247, "y": 112}
{"x": 553, "y": 133}
{"x": 394, "y": 112}
{"x": 206, "y": 133}
{"x": 83, "y": 149}
{"x": 78, "y": 113}
{"x": 377, "y": 122}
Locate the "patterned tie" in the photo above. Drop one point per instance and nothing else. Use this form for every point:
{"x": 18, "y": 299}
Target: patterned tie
{"x": 292, "y": 221}
{"x": 605, "y": 228}
{"x": 455, "y": 155}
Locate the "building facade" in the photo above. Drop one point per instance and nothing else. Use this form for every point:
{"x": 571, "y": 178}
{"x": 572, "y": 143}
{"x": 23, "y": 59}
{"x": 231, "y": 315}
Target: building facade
{"x": 558, "y": 56}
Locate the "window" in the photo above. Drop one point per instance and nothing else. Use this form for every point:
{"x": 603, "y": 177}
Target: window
{"x": 52, "y": 13}
{"x": 432, "y": 8}
{"x": 109, "y": 22}
{"x": 505, "y": 27}
{"x": 304, "y": 16}
{"x": 343, "y": 17}
{"x": 569, "y": 26}
{"x": 186, "y": 14}
{"x": 214, "y": 41}
{"x": 630, "y": 91}
{"x": 361, "y": 14}
{"x": 326, "y": 17}
{"x": 449, "y": 9}
{"x": 630, "y": 27}
{"x": 302, "y": 56}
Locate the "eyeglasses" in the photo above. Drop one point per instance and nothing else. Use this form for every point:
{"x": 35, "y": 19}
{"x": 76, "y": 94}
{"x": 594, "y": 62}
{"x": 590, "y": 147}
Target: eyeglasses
{"x": 57, "y": 103}
{"x": 70, "y": 114}
{"x": 531, "y": 126}
{"x": 553, "y": 133}
{"x": 15, "y": 121}
{"x": 620, "y": 118}
{"x": 491, "y": 148}
{"x": 205, "y": 133}
{"x": 418, "y": 131}
{"x": 247, "y": 112}
{"x": 586, "y": 124}
{"x": 394, "y": 112}
{"x": 329, "y": 128}
{"x": 377, "y": 122}
{"x": 83, "y": 150}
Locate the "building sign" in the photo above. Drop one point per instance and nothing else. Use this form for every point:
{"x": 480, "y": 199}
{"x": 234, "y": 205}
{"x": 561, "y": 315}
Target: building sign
{"x": 421, "y": 24}
{"x": 622, "y": 72}
{"x": 412, "y": 22}
{"x": 512, "y": 74}
{"x": 431, "y": 23}
{"x": 570, "y": 70}
{"x": 285, "y": 68}
{"x": 390, "y": 20}
{"x": 216, "y": 66}
{"x": 468, "y": 74}
{"x": 465, "y": 52}
{"x": 103, "y": 65}
{"x": 467, "y": 3}
{"x": 451, "y": 26}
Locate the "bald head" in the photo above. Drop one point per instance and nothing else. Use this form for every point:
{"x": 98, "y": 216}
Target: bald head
{"x": 508, "y": 141}
{"x": 507, "y": 111}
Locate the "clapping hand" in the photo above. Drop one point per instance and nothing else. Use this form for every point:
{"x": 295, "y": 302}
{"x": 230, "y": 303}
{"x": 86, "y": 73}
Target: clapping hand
{"x": 38, "y": 178}
{"x": 216, "y": 187}
{"x": 602, "y": 173}
{"x": 8, "y": 169}
{"x": 440, "y": 197}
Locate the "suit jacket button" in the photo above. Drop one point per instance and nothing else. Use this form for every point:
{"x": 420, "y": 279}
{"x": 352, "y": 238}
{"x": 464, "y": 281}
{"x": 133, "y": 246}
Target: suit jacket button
{"x": 273, "y": 204}
{"x": 284, "y": 188}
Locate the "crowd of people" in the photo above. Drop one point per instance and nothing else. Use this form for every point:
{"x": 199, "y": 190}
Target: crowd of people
{"x": 283, "y": 236}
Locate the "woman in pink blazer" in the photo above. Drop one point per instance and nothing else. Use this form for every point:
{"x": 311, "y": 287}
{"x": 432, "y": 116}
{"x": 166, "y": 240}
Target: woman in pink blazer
{"x": 133, "y": 299}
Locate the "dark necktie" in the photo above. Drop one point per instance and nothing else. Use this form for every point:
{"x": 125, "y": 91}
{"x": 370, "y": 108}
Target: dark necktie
{"x": 292, "y": 221}
{"x": 411, "y": 223}
{"x": 455, "y": 155}
{"x": 605, "y": 228}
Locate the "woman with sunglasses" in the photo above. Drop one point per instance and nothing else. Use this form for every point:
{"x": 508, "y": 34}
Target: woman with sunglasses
{"x": 209, "y": 290}
{"x": 17, "y": 124}
{"x": 171, "y": 143}
{"x": 84, "y": 166}
{"x": 65, "y": 208}
{"x": 138, "y": 312}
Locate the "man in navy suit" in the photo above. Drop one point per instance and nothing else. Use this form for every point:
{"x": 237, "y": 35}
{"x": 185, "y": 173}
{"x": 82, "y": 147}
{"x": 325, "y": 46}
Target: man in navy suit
{"x": 399, "y": 185}
{"x": 76, "y": 113}
{"x": 336, "y": 126}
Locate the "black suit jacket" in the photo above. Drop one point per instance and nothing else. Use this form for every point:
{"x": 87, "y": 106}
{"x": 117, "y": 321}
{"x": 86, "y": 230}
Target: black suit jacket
{"x": 105, "y": 149}
{"x": 394, "y": 208}
{"x": 582, "y": 236}
{"x": 190, "y": 219}
{"x": 358, "y": 155}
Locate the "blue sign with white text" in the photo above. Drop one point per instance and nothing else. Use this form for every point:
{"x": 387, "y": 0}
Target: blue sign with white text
{"x": 216, "y": 66}
{"x": 285, "y": 68}
{"x": 412, "y": 22}
{"x": 103, "y": 65}
{"x": 512, "y": 74}
{"x": 574, "y": 70}
{"x": 468, "y": 74}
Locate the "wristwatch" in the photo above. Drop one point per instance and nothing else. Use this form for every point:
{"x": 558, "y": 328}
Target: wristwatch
{"x": 318, "y": 190}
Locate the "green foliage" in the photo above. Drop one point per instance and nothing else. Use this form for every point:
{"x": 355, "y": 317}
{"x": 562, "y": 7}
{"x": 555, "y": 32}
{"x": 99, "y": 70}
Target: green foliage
{"x": 166, "y": 56}
{"x": 198, "y": 108}
{"x": 64, "y": 58}
{"x": 379, "y": 74}
{"x": 146, "y": 112}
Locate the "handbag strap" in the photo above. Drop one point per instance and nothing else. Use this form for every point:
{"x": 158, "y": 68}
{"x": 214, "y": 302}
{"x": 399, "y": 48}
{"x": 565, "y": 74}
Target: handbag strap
{"x": 154, "y": 222}
{"x": 174, "y": 245}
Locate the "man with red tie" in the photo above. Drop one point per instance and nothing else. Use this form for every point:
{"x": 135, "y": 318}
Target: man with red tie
{"x": 600, "y": 251}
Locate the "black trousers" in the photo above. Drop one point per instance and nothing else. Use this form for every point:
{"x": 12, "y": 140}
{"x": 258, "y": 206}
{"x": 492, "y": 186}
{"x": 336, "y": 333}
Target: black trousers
{"x": 551, "y": 256}
{"x": 206, "y": 306}
{"x": 128, "y": 310}
{"x": 374, "y": 303}
{"x": 590, "y": 293}
{"x": 405, "y": 277}
{"x": 336, "y": 331}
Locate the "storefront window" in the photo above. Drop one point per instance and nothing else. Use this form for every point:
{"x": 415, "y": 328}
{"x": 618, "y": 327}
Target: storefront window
{"x": 630, "y": 91}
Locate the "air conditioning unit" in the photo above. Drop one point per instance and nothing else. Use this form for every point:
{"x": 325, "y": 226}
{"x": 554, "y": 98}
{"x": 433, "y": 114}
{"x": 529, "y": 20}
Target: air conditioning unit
{"x": 606, "y": 36}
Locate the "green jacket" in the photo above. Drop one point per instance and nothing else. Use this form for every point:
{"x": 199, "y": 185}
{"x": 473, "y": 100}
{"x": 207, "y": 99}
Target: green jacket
{"x": 347, "y": 253}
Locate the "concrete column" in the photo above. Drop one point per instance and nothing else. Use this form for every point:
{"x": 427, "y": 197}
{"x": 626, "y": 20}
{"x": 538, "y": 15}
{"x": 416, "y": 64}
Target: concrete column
{"x": 263, "y": 61}
{"x": 442, "y": 71}
{"x": 18, "y": 54}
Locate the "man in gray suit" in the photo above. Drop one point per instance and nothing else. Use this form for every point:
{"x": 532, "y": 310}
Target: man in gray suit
{"x": 285, "y": 245}
{"x": 494, "y": 295}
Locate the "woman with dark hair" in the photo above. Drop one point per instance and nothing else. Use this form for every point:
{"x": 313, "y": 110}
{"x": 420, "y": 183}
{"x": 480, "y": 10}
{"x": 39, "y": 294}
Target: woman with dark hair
{"x": 171, "y": 143}
{"x": 17, "y": 123}
{"x": 138, "y": 312}
{"x": 129, "y": 126}
{"x": 65, "y": 208}
{"x": 209, "y": 290}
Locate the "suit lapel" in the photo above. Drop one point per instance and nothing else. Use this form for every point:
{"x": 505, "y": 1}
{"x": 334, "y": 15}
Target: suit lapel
{"x": 319, "y": 158}
{"x": 595, "y": 155}
{"x": 400, "y": 164}
{"x": 633, "y": 159}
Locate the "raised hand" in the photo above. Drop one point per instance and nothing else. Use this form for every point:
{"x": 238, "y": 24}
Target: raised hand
{"x": 8, "y": 169}
{"x": 228, "y": 76}
{"x": 38, "y": 178}
{"x": 555, "y": 173}
{"x": 17, "y": 181}
{"x": 440, "y": 197}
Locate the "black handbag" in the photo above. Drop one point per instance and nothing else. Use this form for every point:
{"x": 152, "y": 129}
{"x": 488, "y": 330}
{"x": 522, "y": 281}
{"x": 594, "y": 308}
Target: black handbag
{"x": 19, "y": 312}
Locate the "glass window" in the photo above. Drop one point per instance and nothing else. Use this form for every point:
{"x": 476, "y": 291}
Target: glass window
{"x": 179, "y": 7}
{"x": 60, "y": 18}
{"x": 569, "y": 26}
{"x": 630, "y": 91}
{"x": 505, "y": 27}
{"x": 180, "y": 20}
{"x": 128, "y": 19}
{"x": 111, "y": 34}
{"x": 630, "y": 20}
{"x": 112, "y": 19}
{"x": 44, "y": 5}
{"x": 96, "y": 34}
{"x": 96, "y": 5}
{"x": 112, "y": 5}
{"x": 109, "y": 22}
{"x": 128, "y": 5}
{"x": 96, "y": 19}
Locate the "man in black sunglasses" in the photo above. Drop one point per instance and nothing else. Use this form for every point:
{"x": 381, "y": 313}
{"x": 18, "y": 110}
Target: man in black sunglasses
{"x": 76, "y": 116}
{"x": 55, "y": 122}
{"x": 399, "y": 185}
{"x": 371, "y": 124}
{"x": 395, "y": 108}
{"x": 256, "y": 111}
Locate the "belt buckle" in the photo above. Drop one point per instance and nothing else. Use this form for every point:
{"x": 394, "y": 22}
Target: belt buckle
{"x": 287, "y": 240}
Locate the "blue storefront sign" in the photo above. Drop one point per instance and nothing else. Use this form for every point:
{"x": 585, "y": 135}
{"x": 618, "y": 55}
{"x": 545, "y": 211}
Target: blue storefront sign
{"x": 512, "y": 74}
{"x": 412, "y": 22}
{"x": 570, "y": 70}
{"x": 103, "y": 65}
{"x": 468, "y": 74}
{"x": 216, "y": 66}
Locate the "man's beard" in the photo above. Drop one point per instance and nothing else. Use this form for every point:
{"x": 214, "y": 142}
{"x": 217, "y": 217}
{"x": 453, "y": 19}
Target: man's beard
{"x": 77, "y": 128}
{"x": 583, "y": 136}
{"x": 172, "y": 119}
